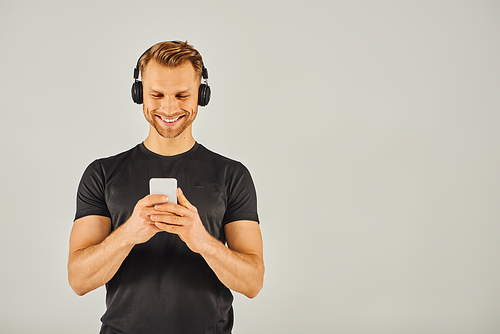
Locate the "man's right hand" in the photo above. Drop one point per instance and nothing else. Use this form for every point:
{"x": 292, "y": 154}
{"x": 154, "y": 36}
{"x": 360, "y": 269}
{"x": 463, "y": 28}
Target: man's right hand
{"x": 139, "y": 227}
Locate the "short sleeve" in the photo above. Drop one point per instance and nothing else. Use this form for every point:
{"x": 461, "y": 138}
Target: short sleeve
{"x": 242, "y": 197}
{"x": 90, "y": 199}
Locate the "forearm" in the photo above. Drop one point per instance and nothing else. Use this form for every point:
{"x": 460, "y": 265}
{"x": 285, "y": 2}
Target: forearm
{"x": 93, "y": 266}
{"x": 240, "y": 272}
{"x": 239, "y": 266}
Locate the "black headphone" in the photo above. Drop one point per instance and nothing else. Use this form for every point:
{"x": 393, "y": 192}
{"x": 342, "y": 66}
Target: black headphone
{"x": 203, "y": 91}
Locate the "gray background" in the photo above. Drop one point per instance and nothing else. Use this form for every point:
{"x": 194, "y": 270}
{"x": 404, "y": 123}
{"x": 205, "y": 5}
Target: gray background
{"x": 371, "y": 129}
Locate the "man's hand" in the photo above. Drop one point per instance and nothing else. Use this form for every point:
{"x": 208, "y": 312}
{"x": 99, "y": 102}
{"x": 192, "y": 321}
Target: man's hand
{"x": 182, "y": 219}
{"x": 140, "y": 227}
{"x": 240, "y": 266}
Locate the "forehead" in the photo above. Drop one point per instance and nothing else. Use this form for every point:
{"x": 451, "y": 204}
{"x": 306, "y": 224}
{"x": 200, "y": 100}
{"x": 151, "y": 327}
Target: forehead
{"x": 156, "y": 73}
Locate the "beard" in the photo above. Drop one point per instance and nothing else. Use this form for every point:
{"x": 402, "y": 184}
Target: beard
{"x": 170, "y": 132}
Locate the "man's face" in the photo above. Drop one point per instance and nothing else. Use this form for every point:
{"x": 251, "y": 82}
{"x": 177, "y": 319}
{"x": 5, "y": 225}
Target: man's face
{"x": 170, "y": 97}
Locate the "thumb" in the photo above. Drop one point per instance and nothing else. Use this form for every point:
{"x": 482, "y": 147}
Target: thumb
{"x": 184, "y": 201}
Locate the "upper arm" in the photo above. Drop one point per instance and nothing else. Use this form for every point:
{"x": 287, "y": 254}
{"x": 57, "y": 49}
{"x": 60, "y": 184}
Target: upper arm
{"x": 244, "y": 236}
{"x": 88, "y": 231}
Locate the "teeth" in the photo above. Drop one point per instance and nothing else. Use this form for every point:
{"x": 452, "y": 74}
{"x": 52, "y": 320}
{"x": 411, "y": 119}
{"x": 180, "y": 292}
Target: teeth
{"x": 168, "y": 120}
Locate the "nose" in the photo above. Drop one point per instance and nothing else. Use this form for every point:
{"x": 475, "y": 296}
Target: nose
{"x": 168, "y": 105}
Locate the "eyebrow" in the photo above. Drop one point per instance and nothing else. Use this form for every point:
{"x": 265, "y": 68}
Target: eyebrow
{"x": 184, "y": 91}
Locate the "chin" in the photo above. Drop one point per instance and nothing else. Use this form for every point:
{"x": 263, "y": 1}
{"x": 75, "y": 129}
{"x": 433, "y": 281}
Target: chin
{"x": 170, "y": 134}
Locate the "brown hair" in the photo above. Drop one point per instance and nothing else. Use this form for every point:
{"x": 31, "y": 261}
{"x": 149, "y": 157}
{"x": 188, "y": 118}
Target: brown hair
{"x": 173, "y": 54}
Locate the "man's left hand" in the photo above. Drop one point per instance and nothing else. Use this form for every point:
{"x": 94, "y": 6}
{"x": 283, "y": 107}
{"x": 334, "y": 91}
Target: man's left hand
{"x": 182, "y": 219}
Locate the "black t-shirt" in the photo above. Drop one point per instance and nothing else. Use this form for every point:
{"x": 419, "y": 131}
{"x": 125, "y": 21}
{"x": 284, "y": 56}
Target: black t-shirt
{"x": 162, "y": 286}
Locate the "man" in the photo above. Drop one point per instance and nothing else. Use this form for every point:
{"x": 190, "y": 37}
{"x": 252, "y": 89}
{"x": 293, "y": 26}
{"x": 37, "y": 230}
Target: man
{"x": 166, "y": 266}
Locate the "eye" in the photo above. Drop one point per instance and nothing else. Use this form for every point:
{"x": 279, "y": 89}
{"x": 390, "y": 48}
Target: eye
{"x": 182, "y": 96}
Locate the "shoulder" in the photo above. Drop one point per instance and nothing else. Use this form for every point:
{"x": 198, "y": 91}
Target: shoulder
{"x": 105, "y": 165}
{"x": 113, "y": 159}
{"x": 231, "y": 166}
{"x": 217, "y": 158}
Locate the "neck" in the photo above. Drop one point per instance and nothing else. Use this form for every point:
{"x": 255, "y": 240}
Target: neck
{"x": 169, "y": 146}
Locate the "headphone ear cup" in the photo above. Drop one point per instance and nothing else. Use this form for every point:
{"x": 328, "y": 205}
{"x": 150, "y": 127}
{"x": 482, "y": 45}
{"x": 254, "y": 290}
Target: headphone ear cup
{"x": 203, "y": 95}
{"x": 137, "y": 92}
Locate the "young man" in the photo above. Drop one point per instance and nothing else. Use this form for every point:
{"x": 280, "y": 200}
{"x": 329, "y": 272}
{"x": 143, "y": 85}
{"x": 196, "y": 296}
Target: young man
{"x": 166, "y": 267}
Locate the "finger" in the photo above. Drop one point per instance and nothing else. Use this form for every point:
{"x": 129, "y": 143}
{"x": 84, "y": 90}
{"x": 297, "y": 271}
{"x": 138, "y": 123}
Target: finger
{"x": 151, "y": 200}
{"x": 142, "y": 212}
{"x": 166, "y": 219}
{"x": 147, "y": 212}
{"x": 172, "y": 209}
{"x": 168, "y": 228}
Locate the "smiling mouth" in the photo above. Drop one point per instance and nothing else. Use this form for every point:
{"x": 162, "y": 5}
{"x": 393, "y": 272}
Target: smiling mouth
{"x": 169, "y": 120}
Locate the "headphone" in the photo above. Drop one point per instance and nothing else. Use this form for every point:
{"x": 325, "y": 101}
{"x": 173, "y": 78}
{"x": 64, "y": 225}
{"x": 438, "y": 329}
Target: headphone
{"x": 203, "y": 92}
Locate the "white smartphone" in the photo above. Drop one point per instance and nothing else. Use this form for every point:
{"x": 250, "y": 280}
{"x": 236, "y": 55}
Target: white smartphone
{"x": 164, "y": 186}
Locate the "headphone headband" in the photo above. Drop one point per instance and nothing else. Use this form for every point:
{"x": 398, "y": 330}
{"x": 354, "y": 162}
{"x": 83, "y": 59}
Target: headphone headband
{"x": 204, "y": 71}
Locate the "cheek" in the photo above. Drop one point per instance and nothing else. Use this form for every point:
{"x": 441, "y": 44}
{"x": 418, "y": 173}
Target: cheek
{"x": 149, "y": 106}
{"x": 145, "y": 111}
{"x": 190, "y": 105}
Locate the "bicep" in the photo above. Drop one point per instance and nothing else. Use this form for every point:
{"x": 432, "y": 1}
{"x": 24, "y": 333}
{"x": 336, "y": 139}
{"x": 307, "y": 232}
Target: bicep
{"x": 244, "y": 236}
{"x": 88, "y": 231}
